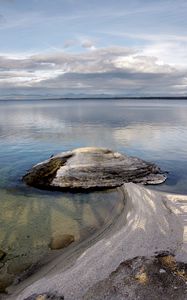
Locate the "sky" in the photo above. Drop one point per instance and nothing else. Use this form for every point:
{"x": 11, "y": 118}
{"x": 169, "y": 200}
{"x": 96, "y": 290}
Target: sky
{"x": 64, "y": 48}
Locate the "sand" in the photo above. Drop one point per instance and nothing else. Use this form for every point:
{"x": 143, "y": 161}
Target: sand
{"x": 152, "y": 222}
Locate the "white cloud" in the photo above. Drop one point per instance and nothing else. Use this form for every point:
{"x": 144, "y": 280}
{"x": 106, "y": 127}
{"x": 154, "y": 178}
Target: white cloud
{"x": 166, "y": 48}
{"x": 170, "y": 52}
{"x": 114, "y": 70}
{"x": 144, "y": 64}
{"x": 88, "y": 44}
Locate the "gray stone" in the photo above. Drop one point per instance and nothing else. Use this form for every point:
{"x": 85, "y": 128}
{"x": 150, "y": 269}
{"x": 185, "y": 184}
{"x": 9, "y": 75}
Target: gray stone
{"x": 92, "y": 168}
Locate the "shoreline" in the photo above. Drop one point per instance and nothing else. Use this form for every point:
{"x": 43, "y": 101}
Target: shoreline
{"x": 26, "y": 98}
{"x": 152, "y": 222}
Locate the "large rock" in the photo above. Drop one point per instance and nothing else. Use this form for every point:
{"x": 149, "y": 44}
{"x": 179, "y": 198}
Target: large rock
{"x": 92, "y": 168}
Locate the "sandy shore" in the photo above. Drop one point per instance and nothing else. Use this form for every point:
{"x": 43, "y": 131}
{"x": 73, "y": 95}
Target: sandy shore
{"x": 152, "y": 222}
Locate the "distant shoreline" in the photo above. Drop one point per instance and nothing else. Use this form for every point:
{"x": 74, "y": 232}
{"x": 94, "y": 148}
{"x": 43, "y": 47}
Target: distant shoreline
{"x": 97, "y": 98}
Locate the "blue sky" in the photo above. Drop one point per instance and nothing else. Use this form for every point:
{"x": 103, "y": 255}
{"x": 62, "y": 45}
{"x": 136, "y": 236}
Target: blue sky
{"x": 62, "y": 47}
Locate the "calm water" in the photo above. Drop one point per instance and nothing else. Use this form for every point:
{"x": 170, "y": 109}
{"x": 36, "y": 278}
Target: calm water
{"x": 31, "y": 131}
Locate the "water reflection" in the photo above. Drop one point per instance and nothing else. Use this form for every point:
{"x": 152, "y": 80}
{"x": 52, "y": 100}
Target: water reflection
{"x": 30, "y": 131}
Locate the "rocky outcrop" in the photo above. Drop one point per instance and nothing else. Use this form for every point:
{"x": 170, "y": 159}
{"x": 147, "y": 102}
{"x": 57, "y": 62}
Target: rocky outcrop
{"x": 143, "y": 278}
{"x": 92, "y": 168}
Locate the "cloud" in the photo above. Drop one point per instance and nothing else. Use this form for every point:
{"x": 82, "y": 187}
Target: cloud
{"x": 84, "y": 43}
{"x": 162, "y": 46}
{"x": 112, "y": 70}
{"x": 88, "y": 44}
{"x": 166, "y": 51}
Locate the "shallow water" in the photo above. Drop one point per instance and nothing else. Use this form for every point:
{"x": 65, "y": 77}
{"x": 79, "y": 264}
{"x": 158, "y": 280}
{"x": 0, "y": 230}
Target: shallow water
{"x": 31, "y": 131}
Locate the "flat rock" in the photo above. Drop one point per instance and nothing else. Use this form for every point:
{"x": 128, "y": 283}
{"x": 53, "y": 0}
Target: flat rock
{"x": 92, "y": 168}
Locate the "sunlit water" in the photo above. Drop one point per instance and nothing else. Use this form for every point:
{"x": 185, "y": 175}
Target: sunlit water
{"x": 31, "y": 131}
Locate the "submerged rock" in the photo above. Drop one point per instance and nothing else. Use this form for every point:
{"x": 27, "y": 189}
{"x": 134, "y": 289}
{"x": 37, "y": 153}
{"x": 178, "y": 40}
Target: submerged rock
{"x": 92, "y": 168}
{"x": 61, "y": 241}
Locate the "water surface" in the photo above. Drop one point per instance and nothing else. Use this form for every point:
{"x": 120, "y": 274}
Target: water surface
{"x": 31, "y": 131}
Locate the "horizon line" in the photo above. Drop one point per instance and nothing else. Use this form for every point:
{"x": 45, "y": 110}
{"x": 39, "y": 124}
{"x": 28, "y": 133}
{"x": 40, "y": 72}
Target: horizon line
{"x": 98, "y": 98}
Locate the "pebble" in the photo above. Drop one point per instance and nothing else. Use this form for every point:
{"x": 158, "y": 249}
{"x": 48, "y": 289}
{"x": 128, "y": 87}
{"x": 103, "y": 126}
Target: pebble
{"x": 162, "y": 271}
